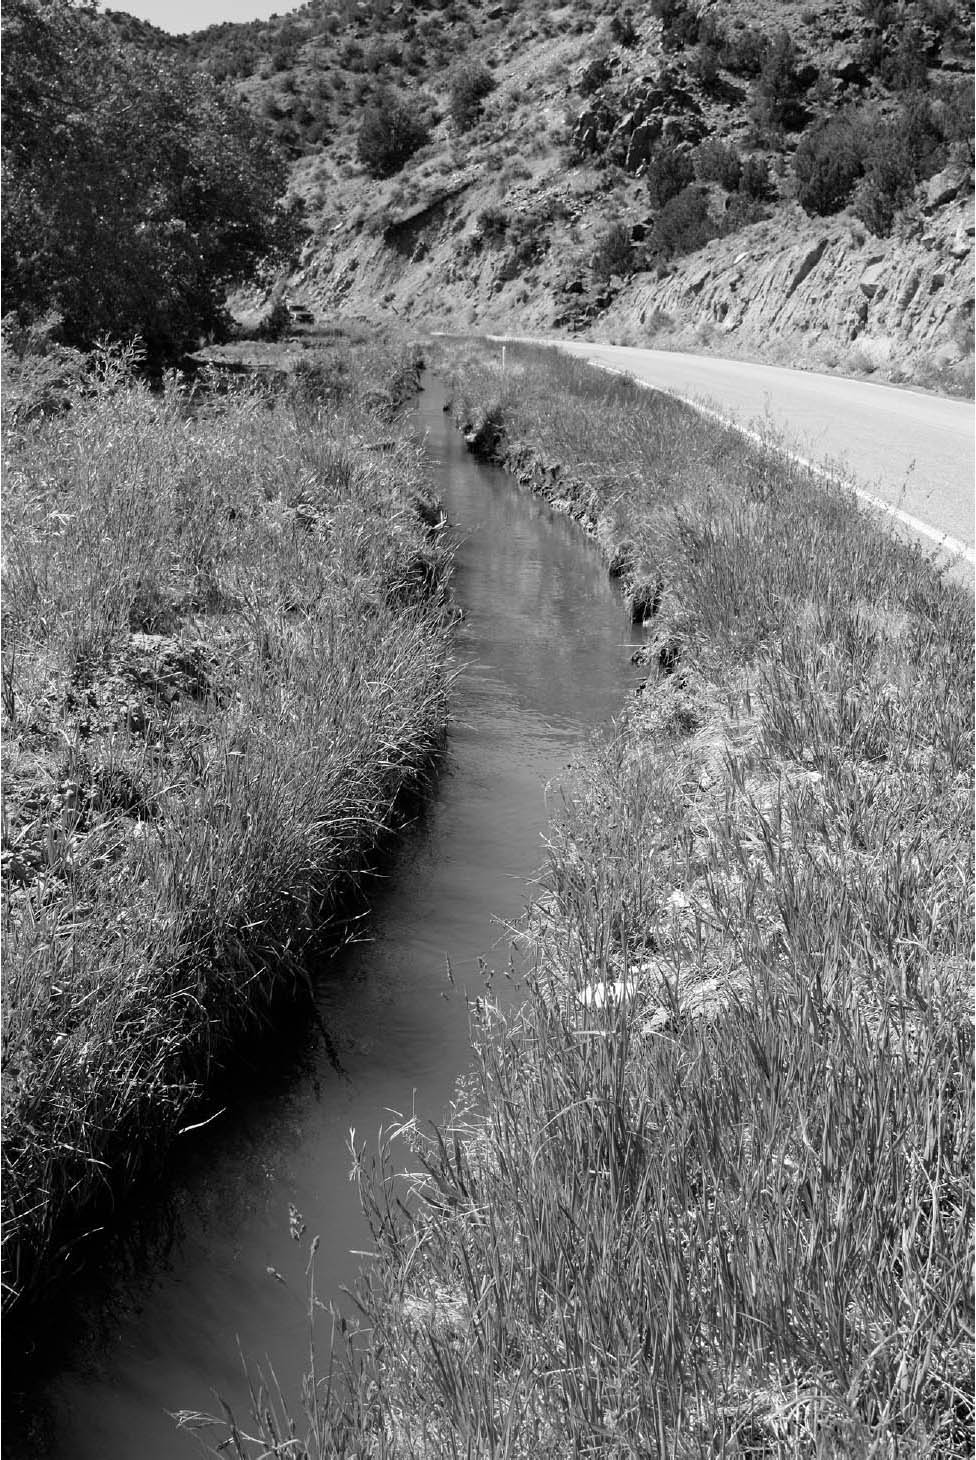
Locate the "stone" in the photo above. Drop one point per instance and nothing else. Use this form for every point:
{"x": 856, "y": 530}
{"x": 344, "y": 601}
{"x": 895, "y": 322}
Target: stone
{"x": 807, "y": 262}
{"x": 944, "y": 186}
{"x": 960, "y": 245}
{"x": 873, "y": 277}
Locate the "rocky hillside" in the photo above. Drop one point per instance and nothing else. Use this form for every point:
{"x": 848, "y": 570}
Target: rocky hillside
{"x": 785, "y": 179}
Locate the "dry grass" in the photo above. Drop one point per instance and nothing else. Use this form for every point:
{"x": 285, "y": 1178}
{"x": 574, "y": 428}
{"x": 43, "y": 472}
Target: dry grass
{"x": 711, "y": 1192}
{"x": 223, "y": 670}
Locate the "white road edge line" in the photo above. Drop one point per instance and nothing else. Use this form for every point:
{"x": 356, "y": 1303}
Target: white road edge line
{"x": 951, "y": 545}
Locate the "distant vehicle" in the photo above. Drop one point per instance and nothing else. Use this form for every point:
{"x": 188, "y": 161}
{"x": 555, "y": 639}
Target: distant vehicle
{"x": 301, "y": 315}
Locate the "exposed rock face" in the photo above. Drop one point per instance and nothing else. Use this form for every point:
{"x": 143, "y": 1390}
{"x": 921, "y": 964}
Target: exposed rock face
{"x": 827, "y": 288}
{"x": 820, "y": 292}
{"x": 627, "y": 129}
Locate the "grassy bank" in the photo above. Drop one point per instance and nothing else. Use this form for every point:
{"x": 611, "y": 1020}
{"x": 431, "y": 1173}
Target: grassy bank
{"x": 711, "y": 1189}
{"x": 223, "y": 671}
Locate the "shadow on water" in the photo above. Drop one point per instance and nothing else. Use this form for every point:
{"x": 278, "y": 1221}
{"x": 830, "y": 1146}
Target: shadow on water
{"x": 545, "y": 646}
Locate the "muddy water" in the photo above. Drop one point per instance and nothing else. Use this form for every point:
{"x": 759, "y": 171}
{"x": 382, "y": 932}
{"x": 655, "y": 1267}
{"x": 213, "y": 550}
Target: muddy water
{"x": 546, "y": 647}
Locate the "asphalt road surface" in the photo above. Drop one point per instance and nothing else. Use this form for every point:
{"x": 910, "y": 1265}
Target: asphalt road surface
{"x": 910, "y": 451}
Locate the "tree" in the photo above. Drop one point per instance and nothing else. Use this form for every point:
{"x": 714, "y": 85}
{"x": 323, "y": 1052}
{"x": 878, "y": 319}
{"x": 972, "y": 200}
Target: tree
{"x": 777, "y": 100}
{"x": 668, "y": 172}
{"x": 392, "y": 130}
{"x": 136, "y": 193}
{"x": 469, "y": 84}
{"x": 828, "y": 162}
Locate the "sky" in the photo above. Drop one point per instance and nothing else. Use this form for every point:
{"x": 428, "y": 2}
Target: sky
{"x": 177, "y": 16}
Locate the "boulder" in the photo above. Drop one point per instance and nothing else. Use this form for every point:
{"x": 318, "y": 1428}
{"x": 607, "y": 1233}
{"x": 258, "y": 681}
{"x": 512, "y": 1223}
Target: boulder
{"x": 640, "y": 148}
{"x": 944, "y": 186}
{"x": 872, "y": 277}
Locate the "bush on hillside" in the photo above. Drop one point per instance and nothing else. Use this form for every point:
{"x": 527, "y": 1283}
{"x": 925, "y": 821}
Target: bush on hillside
{"x": 718, "y": 162}
{"x": 683, "y": 225}
{"x": 777, "y": 95}
{"x": 704, "y": 63}
{"x": 623, "y": 31}
{"x": 668, "y": 172}
{"x": 828, "y": 163}
{"x": 392, "y": 130}
{"x": 900, "y": 154}
{"x": 614, "y": 252}
{"x": 594, "y": 73}
{"x": 756, "y": 182}
{"x": 679, "y": 20}
{"x": 744, "y": 51}
{"x": 468, "y": 86}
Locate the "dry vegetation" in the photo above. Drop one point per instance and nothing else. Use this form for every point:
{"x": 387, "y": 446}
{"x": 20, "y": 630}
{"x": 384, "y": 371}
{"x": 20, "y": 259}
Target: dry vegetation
{"x": 711, "y": 1191}
{"x": 223, "y": 671}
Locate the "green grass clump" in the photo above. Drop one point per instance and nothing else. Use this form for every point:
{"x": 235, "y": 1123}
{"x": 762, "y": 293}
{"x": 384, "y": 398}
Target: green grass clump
{"x": 710, "y": 1191}
{"x": 223, "y": 670}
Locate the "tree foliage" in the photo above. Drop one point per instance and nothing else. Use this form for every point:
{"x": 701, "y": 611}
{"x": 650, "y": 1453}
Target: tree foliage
{"x": 136, "y": 193}
{"x": 470, "y": 83}
{"x": 392, "y": 130}
{"x": 828, "y": 163}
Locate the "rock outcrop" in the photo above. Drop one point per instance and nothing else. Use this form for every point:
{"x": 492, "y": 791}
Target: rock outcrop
{"x": 824, "y": 290}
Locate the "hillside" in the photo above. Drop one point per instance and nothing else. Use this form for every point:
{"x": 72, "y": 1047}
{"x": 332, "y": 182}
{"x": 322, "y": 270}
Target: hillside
{"x": 790, "y": 180}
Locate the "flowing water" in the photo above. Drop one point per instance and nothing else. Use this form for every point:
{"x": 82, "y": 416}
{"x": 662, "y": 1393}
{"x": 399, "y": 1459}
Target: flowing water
{"x": 545, "y": 646}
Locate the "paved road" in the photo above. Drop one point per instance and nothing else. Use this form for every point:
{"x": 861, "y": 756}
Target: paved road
{"x": 915, "y": 452}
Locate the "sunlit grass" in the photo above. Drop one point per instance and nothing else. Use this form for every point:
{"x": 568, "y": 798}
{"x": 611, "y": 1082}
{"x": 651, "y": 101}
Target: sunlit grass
{"x": 224, "y": 649}
{"x": 711, "y": 1191}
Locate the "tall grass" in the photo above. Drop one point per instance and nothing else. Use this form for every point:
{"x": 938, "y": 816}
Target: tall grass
{"x": 711, "y": 1192}
{"x": 224, "y": 651}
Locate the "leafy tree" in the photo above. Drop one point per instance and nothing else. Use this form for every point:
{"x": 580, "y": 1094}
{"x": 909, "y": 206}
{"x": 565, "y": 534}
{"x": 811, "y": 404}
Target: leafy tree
{"x": 392, "y": 130}
{"x": 469, "y": 84}
{"x": 755, "y": 182}
{"x": 718, "y": 162}
{"x": 669, "y": 170}
{"x": 910, "y": 147}
{"x": 614, "y": 252}
{"x": 683, "y": 224}
{"x": 136, "y": 193}
{"x": 828, "y": 163}
{"x": 777, "y": 99}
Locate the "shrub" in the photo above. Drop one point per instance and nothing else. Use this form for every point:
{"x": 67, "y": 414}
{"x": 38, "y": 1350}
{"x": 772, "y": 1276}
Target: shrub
{"x": 469, "y": 84}
{"x": 594, "y": 73}
{"x": 756, "y": 182}
{"x": 718, "y": 162}
{"x": 682, "y": 225}
{"x": 704, "y": 65}
{"x": 392, "y": 130}
{"x": 744, "y": 52}
{"x": 828, "y": 162}
{"x": 910, "y": 147}
{"x": 492, "y": 224}
{"x": 679, "y": 20}
{"x": 622, "y": 28}
{"x": 777, "y": 93}
{"x": 614, "y": 252}
{"x": 668, "y": 172}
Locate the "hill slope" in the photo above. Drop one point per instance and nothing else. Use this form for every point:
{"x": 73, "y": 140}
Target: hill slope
{"x": 789, "y": 178}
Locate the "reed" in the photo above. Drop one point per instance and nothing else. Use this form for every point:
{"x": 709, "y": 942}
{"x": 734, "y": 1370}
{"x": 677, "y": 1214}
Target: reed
{"x": 224, "y": 672}
{"x": 711, "y": 1190}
